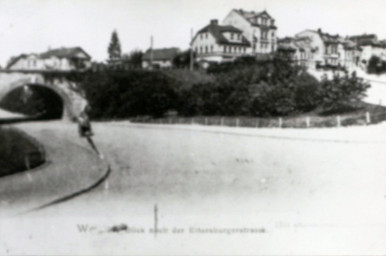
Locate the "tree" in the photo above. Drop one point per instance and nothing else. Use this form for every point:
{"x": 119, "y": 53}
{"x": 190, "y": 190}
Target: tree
{"x": 133, "y": 59}
{"x": 182, "y": 60}
{"x": 376, "y": 65}
{"x": 342, "y": 93}
{"x": 114, "y": 49}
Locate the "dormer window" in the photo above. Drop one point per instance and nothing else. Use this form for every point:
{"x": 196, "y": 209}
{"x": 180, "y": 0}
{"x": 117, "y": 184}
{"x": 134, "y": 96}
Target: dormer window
{"x": 231, "y": 36}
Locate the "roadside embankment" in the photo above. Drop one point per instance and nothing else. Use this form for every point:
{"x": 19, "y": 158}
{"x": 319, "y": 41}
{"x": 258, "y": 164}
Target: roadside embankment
{"x": 18, "y": 152}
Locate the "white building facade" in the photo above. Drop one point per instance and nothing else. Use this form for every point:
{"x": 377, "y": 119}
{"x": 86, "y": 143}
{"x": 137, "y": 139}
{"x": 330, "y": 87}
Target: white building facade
{"x": 258, "y": 27}
{"x": 217, "y": 43}
{"x": 64, "y": 59}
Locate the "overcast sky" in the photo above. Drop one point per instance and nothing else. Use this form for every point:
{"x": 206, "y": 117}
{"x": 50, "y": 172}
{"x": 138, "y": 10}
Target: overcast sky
{"x": 34, "y": 25}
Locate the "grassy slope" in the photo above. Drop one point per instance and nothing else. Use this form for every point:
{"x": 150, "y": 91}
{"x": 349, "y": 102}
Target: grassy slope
{"x": 14, "y": 149}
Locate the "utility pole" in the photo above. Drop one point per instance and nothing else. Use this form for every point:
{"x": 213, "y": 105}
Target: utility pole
{"x": 191, "y": 50}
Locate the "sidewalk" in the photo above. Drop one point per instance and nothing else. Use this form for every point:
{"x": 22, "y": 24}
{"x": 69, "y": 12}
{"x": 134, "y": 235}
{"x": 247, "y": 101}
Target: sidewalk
{"x": 70, "y": 167}
{"x": 354, "y": 134}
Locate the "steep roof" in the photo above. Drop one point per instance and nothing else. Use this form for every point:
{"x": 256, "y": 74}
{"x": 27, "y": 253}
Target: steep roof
{"x": 217, "y": 32}
{"x": 365, "y": 39}
{"x": 292, "y": 44}
{"x": 64, "y": 52}
{"x": 59, "y": 53}
{"x": 328, "y": 38}
{"x": 251, "y": 17}
{"x": 161, "y": 54}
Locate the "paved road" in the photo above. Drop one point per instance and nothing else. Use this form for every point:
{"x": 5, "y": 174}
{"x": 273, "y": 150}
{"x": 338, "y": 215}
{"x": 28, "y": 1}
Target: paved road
{"x": 316, "y": 191}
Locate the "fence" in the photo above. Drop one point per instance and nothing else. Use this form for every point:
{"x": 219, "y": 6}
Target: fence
{"x": 366, "y": 118}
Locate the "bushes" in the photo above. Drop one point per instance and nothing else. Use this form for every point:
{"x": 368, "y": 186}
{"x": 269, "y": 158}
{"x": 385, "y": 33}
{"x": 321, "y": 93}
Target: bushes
{"x": 342, "y": 93}
{"x": 376, "y": 65}
{"x": 126, "y": 94}
{"x": 248, "y": 87}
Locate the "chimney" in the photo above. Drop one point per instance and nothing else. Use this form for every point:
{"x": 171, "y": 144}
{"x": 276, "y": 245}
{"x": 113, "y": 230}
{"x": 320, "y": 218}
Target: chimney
{"x": 214, "y": 22}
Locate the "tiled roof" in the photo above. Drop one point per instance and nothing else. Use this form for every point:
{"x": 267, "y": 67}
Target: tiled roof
{"x": 251, "y": 16}
{"x": 59, "y": 53}
{"x": 161, "y": 54}
{"x": 217, "y": 32}
{"x": 292, "y": 44}
{"x": 365, "y": 39}
{"x": 64, "y": 53}
{"x": 328, "y": 38}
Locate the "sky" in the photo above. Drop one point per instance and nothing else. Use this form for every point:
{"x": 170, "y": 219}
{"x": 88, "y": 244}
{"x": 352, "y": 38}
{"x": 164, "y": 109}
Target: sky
{"x": 33, "y": 26}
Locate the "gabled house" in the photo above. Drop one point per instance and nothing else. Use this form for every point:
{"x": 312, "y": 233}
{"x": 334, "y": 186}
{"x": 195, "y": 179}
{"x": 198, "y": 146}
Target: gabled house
{"x": 298, "y": 49}
{"x": 370, "y": 46}
{"x": 217, "y": 43}
{"x": 330, "y": 50}
{"x": 258, "y": 27}
{"x": 159, "y": 58}
{"x": 64, "y": 59}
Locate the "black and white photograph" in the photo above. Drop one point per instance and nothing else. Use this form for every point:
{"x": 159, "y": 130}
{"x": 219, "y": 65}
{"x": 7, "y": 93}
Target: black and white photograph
{"x": 193, "y": 127}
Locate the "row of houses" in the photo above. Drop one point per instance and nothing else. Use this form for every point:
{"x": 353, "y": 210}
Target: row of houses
{"x": 255, "y": 33}
{"x": 241, "y": 33}
{"x": 315, "y": 48}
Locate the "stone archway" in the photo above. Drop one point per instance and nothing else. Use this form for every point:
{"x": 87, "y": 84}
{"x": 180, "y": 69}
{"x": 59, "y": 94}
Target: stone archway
{"x": 72, "y": 99}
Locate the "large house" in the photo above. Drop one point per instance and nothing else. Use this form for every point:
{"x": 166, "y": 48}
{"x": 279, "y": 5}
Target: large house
{"x": 159, "y": 58}
{"x": 217, "y": 43}
{"x": 370, "y": 46}
{"x": 297, "y": 49}
{"x": 64, "y": 59}
{"x": 258, "y": 27}
{"x": 330, "y": 50}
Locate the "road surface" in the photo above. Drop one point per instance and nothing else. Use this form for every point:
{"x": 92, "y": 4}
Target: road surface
{"x": 316, "y": 191}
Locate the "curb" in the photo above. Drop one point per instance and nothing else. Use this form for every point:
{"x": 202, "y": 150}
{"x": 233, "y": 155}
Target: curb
{"x": 77, "y": 193}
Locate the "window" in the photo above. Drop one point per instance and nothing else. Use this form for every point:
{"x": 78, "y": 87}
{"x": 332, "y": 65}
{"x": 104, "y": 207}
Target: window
{"x": 201, "y": 36}
{"x": 206, "y": 35}
{"x": 264, "y": 34}
{"x": 231, "y": 36}
{"x": 238, "y": 36}
{"x": 225, "y": 49}
{"x": 200, "y": 49}
{"x": 211, "y": 48}
{"x": 206, "y": 49}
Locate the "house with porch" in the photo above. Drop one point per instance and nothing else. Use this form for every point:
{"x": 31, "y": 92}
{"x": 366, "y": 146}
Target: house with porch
{"x": 370, "y": 45}
{"x": 330, "y": 50}
{"x": 297, "y": 49}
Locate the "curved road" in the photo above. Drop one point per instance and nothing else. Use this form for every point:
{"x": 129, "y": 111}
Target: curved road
{"x": 318, "y": 191}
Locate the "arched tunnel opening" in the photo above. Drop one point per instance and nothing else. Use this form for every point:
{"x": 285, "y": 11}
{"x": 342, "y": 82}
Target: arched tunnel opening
{"x": 36, "y": 101}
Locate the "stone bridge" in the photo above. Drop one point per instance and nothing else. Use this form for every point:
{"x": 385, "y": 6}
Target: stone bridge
{"x": 68, "y": 91}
